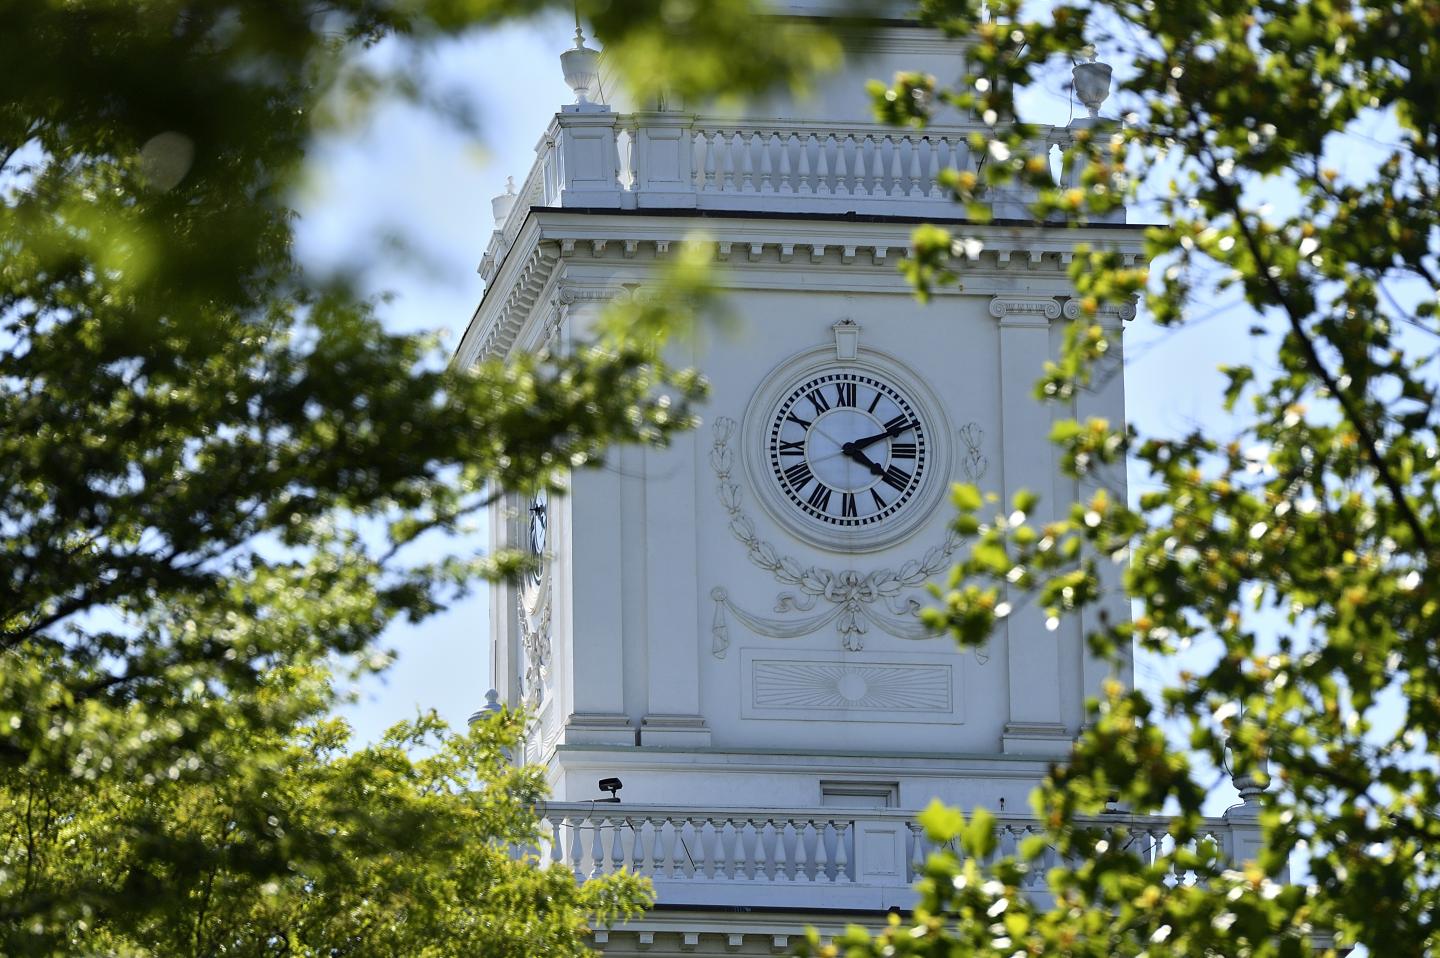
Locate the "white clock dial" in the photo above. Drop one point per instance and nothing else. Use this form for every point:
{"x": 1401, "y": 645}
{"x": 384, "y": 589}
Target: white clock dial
{"x": 847, "y": 448}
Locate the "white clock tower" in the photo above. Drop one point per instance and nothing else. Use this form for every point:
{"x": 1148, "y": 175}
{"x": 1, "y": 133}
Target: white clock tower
{"x": 729, "y": 625}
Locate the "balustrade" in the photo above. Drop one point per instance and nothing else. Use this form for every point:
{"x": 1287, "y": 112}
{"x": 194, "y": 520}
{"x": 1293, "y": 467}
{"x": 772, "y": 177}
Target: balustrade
{"x": 798, "y": 855}
{"x": 671, "y": 160}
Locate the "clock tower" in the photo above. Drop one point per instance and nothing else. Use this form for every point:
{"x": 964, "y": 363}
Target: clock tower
{"x": 730, "y": 625}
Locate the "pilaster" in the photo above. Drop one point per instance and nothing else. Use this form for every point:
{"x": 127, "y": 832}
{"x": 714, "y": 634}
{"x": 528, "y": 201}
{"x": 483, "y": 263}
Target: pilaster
{"x": 595, "y": 617}
{"x": 1035, "y": 722}
{"x": 673, "y": 714}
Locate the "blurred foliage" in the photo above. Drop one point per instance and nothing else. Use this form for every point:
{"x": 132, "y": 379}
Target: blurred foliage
{"x": 1294, "y": 564}
{"x": 220, "y": 475}
{"x": 300, "y": 843}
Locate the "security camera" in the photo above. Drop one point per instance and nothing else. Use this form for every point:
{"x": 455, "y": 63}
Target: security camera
{"x": 611, "y": 785}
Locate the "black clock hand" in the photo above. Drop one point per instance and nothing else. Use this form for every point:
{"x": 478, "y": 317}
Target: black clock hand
{"x": 890, "y": 433}
{"x": 864, "y": 460}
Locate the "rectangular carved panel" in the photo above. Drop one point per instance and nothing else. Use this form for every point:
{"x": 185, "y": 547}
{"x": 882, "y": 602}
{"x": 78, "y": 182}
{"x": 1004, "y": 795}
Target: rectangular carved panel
{"x": 813, "y": 688}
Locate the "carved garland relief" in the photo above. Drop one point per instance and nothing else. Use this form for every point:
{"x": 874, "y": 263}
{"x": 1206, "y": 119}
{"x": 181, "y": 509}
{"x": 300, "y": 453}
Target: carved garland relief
{"x": 850, "y": 599}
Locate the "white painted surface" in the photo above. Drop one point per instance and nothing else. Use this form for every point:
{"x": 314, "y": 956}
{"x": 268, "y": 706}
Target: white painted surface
{"x": 728, "y": 662}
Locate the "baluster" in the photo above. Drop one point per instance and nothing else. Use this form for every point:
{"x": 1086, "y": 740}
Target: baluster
{"x": 762, "y": 856}
{"x": 896, "y": 187}
{"x": 803, "y": 187}
{"x": 915, "y": 188}
{"x": 747, "y": 165}
{"x": 766, "y": 145}
{"x": 697, "y": 848}
{"x": 657, "y": 851}
{"x": 712, "y": 150}
{"x": 639, "y": 848}
{"x": 745, "y": 850}
{"x": 861, "y": 187}
{"x": 782, "y": 860}
{"x": 699, "y": 147}
{"x": 597, "y": 849}
{"x": 1033, "y": 871}
{"x": 842, "y": 186}
{"x": 618, "y": 857}
{"x": 719, "y": 861}
{"x": 734, "y": 848}
{"x": 842, "y": 853}
{"x": 557, "y": 842}
{"x": 802, "y": 852}
{"x": 822, "y": 856}
{"x": 726, "y": 839}
{"x": 916, "y": 852}
{"x": 822, "y": 166}
{"x": 674, "y": 849}
{"x": 787, "y": 184}
{"x": 577, "y": 848}
{"x": 939, "y": 154}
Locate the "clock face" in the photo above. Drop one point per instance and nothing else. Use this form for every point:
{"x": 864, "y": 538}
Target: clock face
{"x": 847, "y": 448}
{"x": 536, "y": 517}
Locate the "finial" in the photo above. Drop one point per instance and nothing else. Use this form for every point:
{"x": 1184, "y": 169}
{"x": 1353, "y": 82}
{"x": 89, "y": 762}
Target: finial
{"x": 582, "y": 68}
{"x": 1251, "y": 780}
{"x": 491, "y": 708}
{"x": 502, "y": 204}
{"x": 1092, "y": 81}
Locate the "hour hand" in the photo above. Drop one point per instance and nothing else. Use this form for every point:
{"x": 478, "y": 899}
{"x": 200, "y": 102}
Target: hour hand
{"x": 864, "y": 460}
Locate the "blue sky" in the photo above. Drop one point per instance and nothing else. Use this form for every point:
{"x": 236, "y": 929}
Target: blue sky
{"x": 408, "y": 198}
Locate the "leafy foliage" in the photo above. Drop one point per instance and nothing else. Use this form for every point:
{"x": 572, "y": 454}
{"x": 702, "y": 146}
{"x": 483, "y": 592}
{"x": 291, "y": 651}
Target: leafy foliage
{"x": 306, "y": 847}
{"x": 1293, "y": 563}
{"x": 216, "y": 471}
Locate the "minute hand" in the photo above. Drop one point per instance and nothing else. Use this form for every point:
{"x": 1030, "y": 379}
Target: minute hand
{"x": 890, "y": 433}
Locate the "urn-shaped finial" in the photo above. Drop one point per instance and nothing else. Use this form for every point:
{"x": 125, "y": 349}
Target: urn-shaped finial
{"x": 491, "y": 707}
{"x": 1092, "y": 82}
{"x": 503, "y": 203}
{"x": 1250, "y": 779}
{"x": 582, "y": 67}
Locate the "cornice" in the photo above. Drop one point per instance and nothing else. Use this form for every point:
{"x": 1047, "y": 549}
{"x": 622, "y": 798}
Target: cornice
{"x": 497, "y": 322}
{"x": 863, "y": 250}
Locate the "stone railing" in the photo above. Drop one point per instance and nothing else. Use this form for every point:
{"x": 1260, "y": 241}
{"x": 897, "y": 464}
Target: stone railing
{"x": 597, "y": 159}
{"x": 830, "y": 857}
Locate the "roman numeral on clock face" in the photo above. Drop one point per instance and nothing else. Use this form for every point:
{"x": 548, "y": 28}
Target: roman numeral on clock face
{"x": 817, "y": 399}
{"x": 899, "y": 424}
{"x": 903, "y": 450}
{"x": 844, "y": 394}
{"x": 802, "y": 423}
{"x": 794, "y": 447}
{"x": 896, "y": 479}
{"x": 847, "y": 506}
{"x": 798, "y": 475}
{"x": 820, "y": 498}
